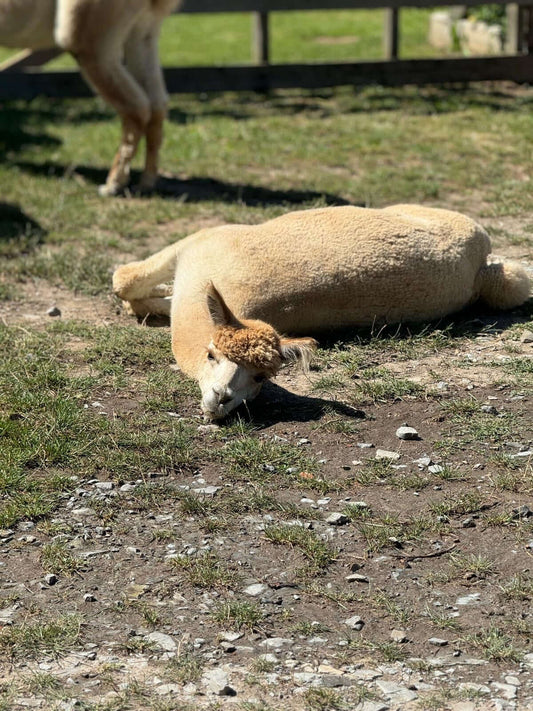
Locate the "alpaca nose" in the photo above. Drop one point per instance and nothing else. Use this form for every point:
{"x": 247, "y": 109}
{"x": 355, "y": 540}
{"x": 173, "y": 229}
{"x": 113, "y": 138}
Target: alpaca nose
{"x": 223, "y": 395}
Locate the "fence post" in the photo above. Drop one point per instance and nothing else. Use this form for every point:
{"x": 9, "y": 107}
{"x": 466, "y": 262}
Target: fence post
{"x": 514, "y": 41}
{"x": 261, "y": 40}
{"x": 390, "y": 33}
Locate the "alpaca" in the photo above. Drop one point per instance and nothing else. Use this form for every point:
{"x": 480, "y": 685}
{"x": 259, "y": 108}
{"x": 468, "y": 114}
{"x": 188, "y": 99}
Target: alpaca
{"x": 309, "y": 271}
{"x": 115, "y": 43}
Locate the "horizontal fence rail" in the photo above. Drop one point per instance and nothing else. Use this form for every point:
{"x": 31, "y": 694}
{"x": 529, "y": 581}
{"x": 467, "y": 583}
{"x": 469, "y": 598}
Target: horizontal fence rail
{"x": 22, "y": 78}
{"x": 220, "y": 6}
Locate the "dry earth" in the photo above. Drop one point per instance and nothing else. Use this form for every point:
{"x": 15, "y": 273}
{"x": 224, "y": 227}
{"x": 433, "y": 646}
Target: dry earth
{"x": 149, "y": 639}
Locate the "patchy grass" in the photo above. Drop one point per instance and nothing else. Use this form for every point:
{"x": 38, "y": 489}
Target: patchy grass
{"x": 493, "y": 644}
{"x": 238, "y": 614}
{"x": 316, "y": 551}
{"x": 206, "y": 571}
{"x": 32, "y": 639}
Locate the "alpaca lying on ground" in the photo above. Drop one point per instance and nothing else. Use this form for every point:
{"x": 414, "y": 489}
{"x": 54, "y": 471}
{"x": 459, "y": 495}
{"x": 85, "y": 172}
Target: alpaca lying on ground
{"x": 116, "y": 45}
{"x": 304, "y": 272}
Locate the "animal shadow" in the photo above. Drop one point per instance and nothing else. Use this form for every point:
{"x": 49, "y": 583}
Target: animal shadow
{"x": 18, "y": 227}
{"x": 276, "y": 404}
{"x": 193, "y": 189}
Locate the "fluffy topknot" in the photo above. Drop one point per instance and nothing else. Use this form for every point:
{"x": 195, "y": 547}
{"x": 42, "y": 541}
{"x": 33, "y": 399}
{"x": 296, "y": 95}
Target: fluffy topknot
{"x": 258, "y": 347}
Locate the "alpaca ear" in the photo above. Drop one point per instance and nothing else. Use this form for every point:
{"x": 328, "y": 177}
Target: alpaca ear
{"x": 301, "y": 349}
{"x": 219, "y": 311}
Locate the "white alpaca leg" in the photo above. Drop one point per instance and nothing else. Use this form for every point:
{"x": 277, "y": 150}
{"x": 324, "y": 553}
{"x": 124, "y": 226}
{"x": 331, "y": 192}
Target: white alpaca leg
{"x": 141, "y": 280}
{"x": 96, "y": 33}
{"x": 141, "y": 57}
{"x": 150, "y": 307}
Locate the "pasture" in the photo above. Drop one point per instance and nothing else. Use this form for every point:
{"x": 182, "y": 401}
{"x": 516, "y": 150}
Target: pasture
{"x": 148, "y": 561}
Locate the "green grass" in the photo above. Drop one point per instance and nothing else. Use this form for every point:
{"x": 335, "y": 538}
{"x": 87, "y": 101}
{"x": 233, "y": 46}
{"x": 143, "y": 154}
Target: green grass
{"x": 206, "y": 571}
{"x": 32, "y": 639}
{"x": 237, "y": 614}
{"x": 48, "y": 426}
{"x": 317, "y": 552}
{"x": 495, "y": 645}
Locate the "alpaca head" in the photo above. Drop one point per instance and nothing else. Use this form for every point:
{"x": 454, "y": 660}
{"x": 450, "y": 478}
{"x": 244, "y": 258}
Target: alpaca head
{"x": 240, "y": 357}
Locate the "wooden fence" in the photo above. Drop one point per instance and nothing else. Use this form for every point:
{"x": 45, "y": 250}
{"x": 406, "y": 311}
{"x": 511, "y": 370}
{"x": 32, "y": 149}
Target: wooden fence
{"x": 22, "y": 76}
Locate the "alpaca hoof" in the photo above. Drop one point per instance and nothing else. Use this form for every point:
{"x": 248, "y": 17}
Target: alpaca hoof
{"x": 110, "y": 190}
{"x": 147, "y": 184}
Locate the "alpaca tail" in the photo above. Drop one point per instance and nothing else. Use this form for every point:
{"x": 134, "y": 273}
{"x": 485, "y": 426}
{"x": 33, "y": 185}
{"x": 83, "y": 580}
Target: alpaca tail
{"x": 504, "y": 285}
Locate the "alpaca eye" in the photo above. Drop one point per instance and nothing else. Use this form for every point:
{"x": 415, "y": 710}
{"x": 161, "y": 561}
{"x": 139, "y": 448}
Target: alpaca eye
{"x": 210, "y": 356}
{"x": 259, "y": 378}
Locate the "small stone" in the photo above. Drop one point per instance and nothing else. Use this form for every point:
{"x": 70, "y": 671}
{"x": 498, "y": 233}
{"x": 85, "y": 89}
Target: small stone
{"x": 398, "y": 636}
{"x": 162, "y": 641}
{"x": 438, "y": 642}
{"x": 208, "y": 429}
{"x": 26, "y": 526}
{"x": 405, "y": 432}
{"x": 231, "y": 636}
{"x": 84, "y": 511}
{"x": 207, "y": 490}
{"x": 513, "y": 680}
{"x": 275, "y": 642}
{"x": 468, "y": 599}
{"x": 133, "y": 550}
{"x": 357, "y": 578}
{"x": 255, "y": 589}
{"x": 104, "y": 485}
{"x": 166, "y": 689}
{"x": 526, "y": 336}
{"x": 365, "y": 445}
{"x": 216, "y": 682}
{"x": 508, "y": 691}
{"x": 423, "y": 462}
{"x": 337, "y": 519}
{"x": 468, "y": 523}
{"x": 435, "y": 469}
{"x": 528, "y": 659}
{"x": 355, "y": 622}
{"x": 50, "y": 579}
{"x": 53, "y": 312}
{"x": 386, "y": 454}
{"x": 89, "y": 597}
{"x": 489, "y": 409}
{"x": 395, "y": 692}
{"x": 522, "y": 512}
{"x": 519, "y": 455}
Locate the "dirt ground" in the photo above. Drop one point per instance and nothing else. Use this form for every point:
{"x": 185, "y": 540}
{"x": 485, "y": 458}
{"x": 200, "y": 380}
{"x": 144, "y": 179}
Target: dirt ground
{"x": 445, "y": 615}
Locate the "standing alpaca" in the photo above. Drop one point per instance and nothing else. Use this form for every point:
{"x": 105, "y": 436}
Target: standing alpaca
{"x": 309, "y": 271}
{"x": 115, "y": 43}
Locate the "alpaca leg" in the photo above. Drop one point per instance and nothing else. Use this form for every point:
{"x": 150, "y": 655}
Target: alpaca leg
{"x": 118, "y": 89}
{"x": 146, "y": 279}
{"x": 151, "y": 307}
{"x": 96, "y": 33}
{"x": 141, "y": 57}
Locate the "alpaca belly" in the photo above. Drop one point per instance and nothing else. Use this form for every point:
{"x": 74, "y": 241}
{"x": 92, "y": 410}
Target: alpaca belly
{"x": 361, "y": 299}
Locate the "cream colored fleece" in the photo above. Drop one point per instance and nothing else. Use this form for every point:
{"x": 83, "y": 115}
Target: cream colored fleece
{"x": 313, "y": 270}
